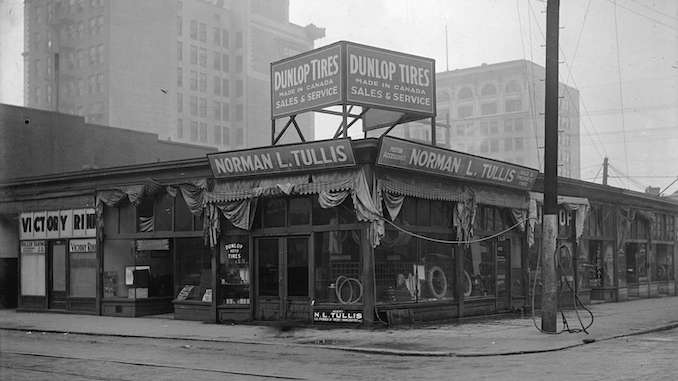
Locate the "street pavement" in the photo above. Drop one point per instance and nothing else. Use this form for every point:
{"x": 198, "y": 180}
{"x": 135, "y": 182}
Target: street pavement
{"x": 490, "y": 336}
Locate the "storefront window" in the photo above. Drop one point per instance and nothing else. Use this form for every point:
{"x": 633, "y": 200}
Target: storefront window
{"x": 273, "y": 212}
{"x": 183, "y": 219}
{"x": 439, "y": 270}
{"x": 33, "y": 268}
{"x": 193, "y": 270}
{"x": 234, "y": 270}
{"x": 479, "y": 270}
{"x": 337, "y": 267}
{"x": 664, "y": 262}
{"x": 322, "y": 216}
{"x": 297, "y": 266}
{"x": 636, "y": 263}
{"x": 137, "y": 269}
{"x": 300, "y": 211}
{"x": 83, "y": 268}
{"x": 145, "y": 216}
{"x": 595, "y": 259}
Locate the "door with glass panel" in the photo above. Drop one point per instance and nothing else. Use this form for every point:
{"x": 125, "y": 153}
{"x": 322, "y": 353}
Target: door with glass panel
{"x": 57, "y": 275}
{"x": 282, "y": 287}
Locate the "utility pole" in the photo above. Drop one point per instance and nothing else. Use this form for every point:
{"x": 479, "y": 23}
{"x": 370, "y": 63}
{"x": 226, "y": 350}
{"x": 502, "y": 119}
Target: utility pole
{"x": 549, "y": 298}
{"x": 605, "y": 164}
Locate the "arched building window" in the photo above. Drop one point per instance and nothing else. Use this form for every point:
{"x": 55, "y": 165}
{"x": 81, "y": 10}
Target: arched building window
{"x": 488, "y": 89}
{"x": 513, "y": 87}
{"x": 465, "y": 93}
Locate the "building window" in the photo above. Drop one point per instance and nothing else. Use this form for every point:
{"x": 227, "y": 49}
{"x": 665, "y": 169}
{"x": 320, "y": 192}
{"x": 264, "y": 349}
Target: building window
{"x": 180, "y": 128}
{"x": 239, "y": 88}
{"x": 194, "y": 131}
{"x": 217, "y": 61}
{"x": 203, "y": 82}
{"x": 202, "y": 32}
{"x": 488, "y": 89}
{"x": 464, "y": 111}
{"x": 180, "y": 102}
{"x": 513, "y": 105}
{"x": 508, "y": 144}
{"x": 518, "y": 144}
{"x": 494, "y": 145}
{"x": 225, "y": 38}
{"x": 238, "y": 64}
{"x": 225, "y": 138}
{"x": 512, "y": 87}
{"x": 238, "y": 40}
{"x": 180, "y": 25}
{"x": 180, "y": 77}
{"x": 494, "y": 127}
{"x": 180, "y": 51}
{"x": 194, "y": 55}
{"x": 564, "y": 123}
{"x": 508, "y": 126}
{"x": 202, "y": 57}
{"x": 217, "y": 85}
{"x": 225, "y": 63}
{"x": 488, "y": 108}
{"x": 239, "y": 112}
{"x": 193, "y": 105}
{"x": 484, "y": 146}
{"x": 203, "y": 132}
{"x": 100, "y": 83}
{"x": 465, "y": 93}
{"x": 518, "y": 125}
{"x": 193, "y": 78}
{"x": 217, "y": 135}
{"x": 226, "y": 112}
{"x": 194, "y": 30}
{"x": 239, "y": 137}
{"x": 216, "y": 106}
{"x": 216, "y": 32}
{"x": 203, "y": 107}
{"x": 226, "y": 88}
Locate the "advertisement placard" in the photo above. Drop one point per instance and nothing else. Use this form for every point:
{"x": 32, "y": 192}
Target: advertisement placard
{"x": 438, "y": 161}
{"x": 337, "y": 316}
{"x": 56, "y": 224}
{"x": 307, "y": 81}
{"x": 283, "y": 159}
{"x": 390, "y": 80}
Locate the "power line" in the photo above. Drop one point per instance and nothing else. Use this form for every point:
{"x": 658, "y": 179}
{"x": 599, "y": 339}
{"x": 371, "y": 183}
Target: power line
{"x": 645, "y": 16}
{"x": 581, "y": 30}
{"x": 654, "y": 10}
{"x": 621, "y": 93}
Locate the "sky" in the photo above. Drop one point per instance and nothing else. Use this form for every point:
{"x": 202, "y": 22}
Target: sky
{"x": 602, "y": 45}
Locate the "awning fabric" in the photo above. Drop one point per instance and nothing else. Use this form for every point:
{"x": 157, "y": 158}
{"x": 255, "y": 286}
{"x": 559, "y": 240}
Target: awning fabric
{"x": 580, "y": 205}
{"x": 236, "y": 199}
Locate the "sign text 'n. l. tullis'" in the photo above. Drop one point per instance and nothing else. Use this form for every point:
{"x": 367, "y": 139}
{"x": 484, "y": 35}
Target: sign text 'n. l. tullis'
{"x": 282, "y": 159}
{"x": 437, "y": 161}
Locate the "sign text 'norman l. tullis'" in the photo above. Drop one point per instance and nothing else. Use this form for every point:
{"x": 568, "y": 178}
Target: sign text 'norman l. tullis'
{"x": 281, "y": 159}
{"x": 409, "y": 155}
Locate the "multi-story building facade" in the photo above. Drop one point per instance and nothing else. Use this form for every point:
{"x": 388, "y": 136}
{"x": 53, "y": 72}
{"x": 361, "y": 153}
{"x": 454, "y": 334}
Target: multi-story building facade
{"x": 497, "y": 111}
{"x": 193, "y": 71}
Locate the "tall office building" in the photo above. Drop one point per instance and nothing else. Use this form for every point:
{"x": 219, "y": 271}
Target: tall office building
{"x": 194, "y": 71}
{"x": 497, "y": 111}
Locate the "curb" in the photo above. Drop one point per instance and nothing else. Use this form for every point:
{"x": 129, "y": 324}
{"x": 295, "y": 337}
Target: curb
{"x": 365, "y": 350}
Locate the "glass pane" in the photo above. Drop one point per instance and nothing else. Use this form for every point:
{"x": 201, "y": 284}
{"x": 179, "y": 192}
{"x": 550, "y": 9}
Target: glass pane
{"x": 183, "y": 219}
{"x": 145, "y": 215}
{"x": 110, "y": 220}
{"x": 59, "y": 267}
{"x": 234, "y": 270}
{"x": 297, "y": 267}
{"x": 33, "y": 269}
{"x": 396, "y": 268}
{"x": 423, "y": 212}
{"x": 479, "y": 270}
{"x": 346, "y": 212}
{"x": 300, "y": 211}
{"x": 118, "y": 254}
{"x": 83, "y": 274}
{"x": 193, "y": 272}
{"x": 163, "y": 213}
{"x": 267, "y": 269}
{"x": 441, "y": 214}
{"x": 152, "y": 272}
{"x": 127, "y": 216}
{"x": 503, "y": 255}
{"x": 322, "y": 216}
{"x": 274, "y": 212}
{"x": 337, "y": 258}
{"x": 438, "y": 263}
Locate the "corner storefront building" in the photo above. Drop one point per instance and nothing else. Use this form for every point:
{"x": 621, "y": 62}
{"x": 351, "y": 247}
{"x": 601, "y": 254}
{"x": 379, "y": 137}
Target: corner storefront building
{"x": 347, "y": 231}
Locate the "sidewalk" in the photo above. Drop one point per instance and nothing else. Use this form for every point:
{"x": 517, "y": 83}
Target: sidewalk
{"x": 479, "y": 337}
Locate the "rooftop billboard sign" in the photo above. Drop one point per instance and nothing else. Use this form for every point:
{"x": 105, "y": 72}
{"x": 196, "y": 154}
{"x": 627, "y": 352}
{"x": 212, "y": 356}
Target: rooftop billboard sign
{"x": 350, "y": 73}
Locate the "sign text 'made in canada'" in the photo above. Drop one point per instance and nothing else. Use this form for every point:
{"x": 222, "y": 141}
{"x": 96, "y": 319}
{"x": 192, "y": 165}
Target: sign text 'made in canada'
{"x": 409, "y": 155}
{"x": 282, "y": 159}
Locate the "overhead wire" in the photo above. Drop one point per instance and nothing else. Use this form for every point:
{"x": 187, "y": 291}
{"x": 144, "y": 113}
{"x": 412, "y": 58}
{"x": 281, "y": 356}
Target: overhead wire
{"x": 658, "y": 22}
{"x": 621, "y": 91}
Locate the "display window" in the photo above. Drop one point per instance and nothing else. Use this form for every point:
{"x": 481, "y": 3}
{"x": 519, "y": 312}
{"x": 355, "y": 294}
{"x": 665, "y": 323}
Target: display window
{"x": 193, "y": 270}
{"x": 636, "y": 263}
{"x": 663, "y": 270}
{"x": 33, "y": 268}
{"x": 234, "y": 270}
{"x": 82, "y": 268}
{"x": 137, "y": 269}
{"x": 479, "y": 270}
{"x": 338, "y": 267}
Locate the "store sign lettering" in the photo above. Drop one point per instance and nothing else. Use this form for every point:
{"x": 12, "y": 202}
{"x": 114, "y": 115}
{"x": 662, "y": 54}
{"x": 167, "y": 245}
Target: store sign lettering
{"x": 232, "y": 251}
{"x": 419, "y": 157}
{"x": 57, "y": 224}
{"x": 338, "y": 316}
{"x": 33, "y": 247}
{"x": 82, "y": 245}
{"x": 290, "y": 158}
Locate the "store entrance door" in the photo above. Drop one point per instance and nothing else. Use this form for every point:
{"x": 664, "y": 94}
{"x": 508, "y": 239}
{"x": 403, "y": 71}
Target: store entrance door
{"x": 281, "y": 276}
{"x": 57, "y": 276}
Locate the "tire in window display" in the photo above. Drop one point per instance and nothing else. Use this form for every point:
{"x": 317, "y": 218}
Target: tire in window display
{"x": 348, "y": 290}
